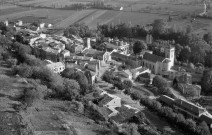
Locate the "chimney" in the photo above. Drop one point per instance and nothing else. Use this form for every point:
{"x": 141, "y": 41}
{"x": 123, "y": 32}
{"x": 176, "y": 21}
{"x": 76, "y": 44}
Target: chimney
{"x": 88, "y": 43}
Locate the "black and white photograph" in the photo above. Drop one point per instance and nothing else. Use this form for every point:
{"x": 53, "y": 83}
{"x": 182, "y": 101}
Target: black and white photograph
{"x": 105, "y": 67}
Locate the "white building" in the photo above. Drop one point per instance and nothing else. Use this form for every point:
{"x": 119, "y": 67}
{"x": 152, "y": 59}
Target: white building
{"x": 160, "y": 65}
{"x": 57, "y": 67}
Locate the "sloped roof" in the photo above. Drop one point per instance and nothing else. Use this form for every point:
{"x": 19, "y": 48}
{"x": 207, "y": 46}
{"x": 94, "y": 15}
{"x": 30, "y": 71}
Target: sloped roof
{"x": 192, "y": 108}
{"x": 124, "y": 114}
{"x": 206, "y": 118}
{"x": 92, "y": 53}
{"x": 139, "y": 69}
{"x": 152, "y": 57}
{"x": 112, "y": 46}
{"x": 118, "y": 55}
{"x": 166, "y": 99}
{"x": 145, "y": 75}
{"x": 189, "y": 87}
{"x": 53, "y": 65}
{"x": 51, "y": 50}
{"x": 106, "y": 99}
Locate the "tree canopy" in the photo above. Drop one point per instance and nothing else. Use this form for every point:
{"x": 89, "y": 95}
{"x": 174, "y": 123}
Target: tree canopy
{"x": 139, "y": 46}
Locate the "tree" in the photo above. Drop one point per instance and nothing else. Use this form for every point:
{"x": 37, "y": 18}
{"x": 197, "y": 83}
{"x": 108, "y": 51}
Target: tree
{"x": 3, "y": 27}
{"x": 24, "y": 70}
{"x": 191, "y": 124}
{"x": 78, "y": 29}
{"x": 175, "y": 82}
{"x": 127, "y": 84}
{"x": 159, "y": 27}
{"x": 206, "y": 81}
{"x": 159, "y": 82}
{"x": 139, "y": 46}
{"x": 136, "y": 95}
{"x": 178, "y": 49}
{"x": 203, "y": 128}
{"x": 89, "y": 76}
{"x": 185, "y": 54}
{"x": 71, "y": 88}
{"x": 208, "y": 38}
{"x": 83, "y": 81}
{"x": 208, "y": 59}
{"x": 69, "y": 73}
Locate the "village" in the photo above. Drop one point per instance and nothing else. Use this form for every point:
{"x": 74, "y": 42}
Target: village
{"x": 59, "y": 53}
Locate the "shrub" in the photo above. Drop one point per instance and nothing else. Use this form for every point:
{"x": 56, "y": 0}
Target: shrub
{"x": 127, "y": 84}
{"x": 12, "y": 62}
{"x": 23, "y": 70}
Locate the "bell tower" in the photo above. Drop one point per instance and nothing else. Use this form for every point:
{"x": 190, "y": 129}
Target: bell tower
{"x": 170, "y": 53}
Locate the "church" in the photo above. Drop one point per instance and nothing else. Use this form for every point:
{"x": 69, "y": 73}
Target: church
{"x": 160, "y": 65}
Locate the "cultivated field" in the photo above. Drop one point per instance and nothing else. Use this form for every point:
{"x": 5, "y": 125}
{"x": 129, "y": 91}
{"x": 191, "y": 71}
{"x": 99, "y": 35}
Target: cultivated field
{"x": 135, "y": 12}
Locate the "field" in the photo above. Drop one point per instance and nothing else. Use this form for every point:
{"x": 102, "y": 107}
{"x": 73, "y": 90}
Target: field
{"x": 135, "y": 12}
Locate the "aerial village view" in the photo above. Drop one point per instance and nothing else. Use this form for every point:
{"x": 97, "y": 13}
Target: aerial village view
{"x": 105, "y": 67}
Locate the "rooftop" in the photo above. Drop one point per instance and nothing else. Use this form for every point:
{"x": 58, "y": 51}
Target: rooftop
{"x": 106, "y": 99}
{"x": 152, "y": 57}
{"x": 53, "y": 65}
{"x": 125, "y": 112}
{"x": 166, "y": 99}
{"x": 118, "y": 55}
{"x": 192, "y": 108}
{"x": 206, "y": 118}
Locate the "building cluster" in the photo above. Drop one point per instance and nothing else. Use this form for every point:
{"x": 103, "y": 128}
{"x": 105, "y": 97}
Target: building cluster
{"x": 191, "y": 110}
{"x": 60, "y": 52}
{"x": 117, "y": 111}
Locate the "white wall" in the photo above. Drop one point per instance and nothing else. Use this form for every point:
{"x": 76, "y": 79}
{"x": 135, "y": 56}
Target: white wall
{"x": 116, "y": 102}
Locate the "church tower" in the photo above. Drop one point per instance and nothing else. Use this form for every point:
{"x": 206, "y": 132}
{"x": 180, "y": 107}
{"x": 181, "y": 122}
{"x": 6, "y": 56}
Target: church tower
{"x": 170, "y": 53}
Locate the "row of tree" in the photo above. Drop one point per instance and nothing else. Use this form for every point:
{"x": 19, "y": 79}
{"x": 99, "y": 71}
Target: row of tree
{"x": 175, "y": 119}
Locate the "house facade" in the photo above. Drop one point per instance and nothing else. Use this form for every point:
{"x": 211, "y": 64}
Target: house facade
{"x": 57, "y": 67}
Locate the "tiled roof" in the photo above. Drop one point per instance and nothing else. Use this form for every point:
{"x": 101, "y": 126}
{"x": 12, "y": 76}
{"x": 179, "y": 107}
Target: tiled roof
{"x": 118, "y": 55}
{"x": 57, "y": 64}
{"x": 106, "y": 99}
{"x": 190, "y": 107}
{"x": 166, "y": 99}
{"x": 139, "y": 69}
{"x": 206, "y": 118}
{"x": 152, "y": 57}
{"x": 145, "y": 75}
{"x": 111, "y": 46}
{"x": 190, "y": 87}
{"x": 92, "y": 53}
{"x": 124, "y": 114}
{"x": 48, "y": 49}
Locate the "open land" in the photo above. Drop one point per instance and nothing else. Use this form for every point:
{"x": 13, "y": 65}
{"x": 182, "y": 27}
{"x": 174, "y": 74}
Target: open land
{"x": 136, "y": 12}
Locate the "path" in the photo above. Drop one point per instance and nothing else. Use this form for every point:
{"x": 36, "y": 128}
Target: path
{"x": 140, "y": 87}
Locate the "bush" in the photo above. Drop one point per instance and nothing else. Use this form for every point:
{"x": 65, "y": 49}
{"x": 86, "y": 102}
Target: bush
{"x": 23, "y": 70}
{"x": 12, "y": 62}
{"x": 127, "y": 84}
{"x": 5, "y": 56}
{"x": 136, "y": 95}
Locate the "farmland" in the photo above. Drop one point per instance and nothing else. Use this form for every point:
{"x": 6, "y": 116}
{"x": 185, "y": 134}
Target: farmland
{"x": 136, "y": 12}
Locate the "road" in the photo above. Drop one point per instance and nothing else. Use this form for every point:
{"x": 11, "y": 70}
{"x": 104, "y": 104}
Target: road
{"x": 140, "y": 87}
